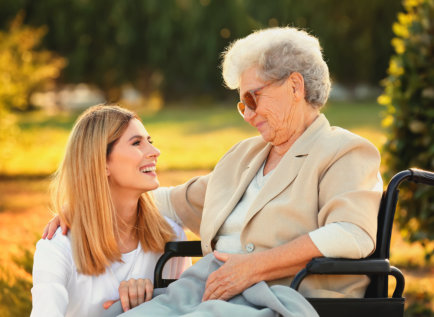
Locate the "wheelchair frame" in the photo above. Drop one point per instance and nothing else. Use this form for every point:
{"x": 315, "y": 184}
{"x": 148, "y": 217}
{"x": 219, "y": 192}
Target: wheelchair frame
{"x": 376, "y": 301}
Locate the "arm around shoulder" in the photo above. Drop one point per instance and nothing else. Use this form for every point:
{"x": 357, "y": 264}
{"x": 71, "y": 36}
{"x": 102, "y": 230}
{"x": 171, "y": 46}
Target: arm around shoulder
{"x": 188, "y": 200}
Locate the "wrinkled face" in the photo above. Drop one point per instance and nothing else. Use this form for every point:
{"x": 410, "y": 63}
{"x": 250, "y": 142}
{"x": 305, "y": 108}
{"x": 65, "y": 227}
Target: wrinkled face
{"x": 132, "y": 163}
{"x": 276, "y": 114}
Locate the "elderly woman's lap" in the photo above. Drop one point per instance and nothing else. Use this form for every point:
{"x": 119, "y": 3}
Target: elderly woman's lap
{"x": 184, "y": 298}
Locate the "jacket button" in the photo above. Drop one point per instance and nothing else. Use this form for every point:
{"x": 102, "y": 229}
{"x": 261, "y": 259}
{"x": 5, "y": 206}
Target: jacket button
{"x": 250, "y": 247}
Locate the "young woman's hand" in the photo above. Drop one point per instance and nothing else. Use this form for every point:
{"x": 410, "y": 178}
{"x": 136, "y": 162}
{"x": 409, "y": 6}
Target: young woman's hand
{"x": 52, "y": 226}
{"x": 133, "y": 293}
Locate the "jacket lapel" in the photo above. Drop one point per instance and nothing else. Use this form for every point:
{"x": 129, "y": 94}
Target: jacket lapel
{"x": 283, "y": 175}
{"x": 289, "y": 166}
{"x": 245, "y": 179}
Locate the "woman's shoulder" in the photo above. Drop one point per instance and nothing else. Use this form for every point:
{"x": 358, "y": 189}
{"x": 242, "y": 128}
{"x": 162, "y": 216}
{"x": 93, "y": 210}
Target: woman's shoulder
{"x": 59, "y": 242}
{"x": 250, "y": 143}
{"x": 336, "y": 144}
{"x": 340, "y": 139}
{"x": 247, "y": 148}
{"x": 54, "y": 255}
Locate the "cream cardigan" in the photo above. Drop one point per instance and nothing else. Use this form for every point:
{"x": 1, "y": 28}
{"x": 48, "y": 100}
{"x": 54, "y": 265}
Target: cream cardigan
{"x": 329, "y": 175}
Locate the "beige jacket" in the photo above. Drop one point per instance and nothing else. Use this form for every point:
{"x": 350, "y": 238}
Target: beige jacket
{"x": 328, "y": 175}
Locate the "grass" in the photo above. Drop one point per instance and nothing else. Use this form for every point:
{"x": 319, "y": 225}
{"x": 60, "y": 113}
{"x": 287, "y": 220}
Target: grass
{"x": 189, "y": 136}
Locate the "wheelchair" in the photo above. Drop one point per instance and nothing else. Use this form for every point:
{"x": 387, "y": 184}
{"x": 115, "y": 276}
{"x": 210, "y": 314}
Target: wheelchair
{"x": 376, "y": 301}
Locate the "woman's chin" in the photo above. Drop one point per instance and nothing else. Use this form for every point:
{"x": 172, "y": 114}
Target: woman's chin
{"x": 153, "y": 185}
{"x": 266, "y": 137}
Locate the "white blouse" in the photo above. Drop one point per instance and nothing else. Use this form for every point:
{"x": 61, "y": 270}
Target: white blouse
{"x": 59, "y": 290}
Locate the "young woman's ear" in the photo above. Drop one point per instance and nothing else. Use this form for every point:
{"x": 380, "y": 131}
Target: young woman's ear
{"x": 107, "y": 171}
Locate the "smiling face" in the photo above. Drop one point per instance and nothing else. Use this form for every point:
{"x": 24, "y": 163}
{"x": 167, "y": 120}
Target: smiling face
{"x": 281, "y": 112}
{"x": 131, "y": 165}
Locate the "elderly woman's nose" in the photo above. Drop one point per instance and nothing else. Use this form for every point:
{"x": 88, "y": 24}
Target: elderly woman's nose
{"x": 248, "y": 114}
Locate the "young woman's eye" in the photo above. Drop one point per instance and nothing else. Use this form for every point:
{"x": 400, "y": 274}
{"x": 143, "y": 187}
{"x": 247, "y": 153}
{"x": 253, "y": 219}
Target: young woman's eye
{"x": 150, "y": 141}
{"x": 136, "y": 143}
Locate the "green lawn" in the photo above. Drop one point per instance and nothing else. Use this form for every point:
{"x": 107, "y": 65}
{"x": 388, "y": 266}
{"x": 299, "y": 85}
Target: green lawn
{"x": 189, "y": 136}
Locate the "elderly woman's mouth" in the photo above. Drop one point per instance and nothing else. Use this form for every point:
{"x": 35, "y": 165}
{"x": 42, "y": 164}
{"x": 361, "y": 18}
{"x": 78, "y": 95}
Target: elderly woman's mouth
{"x": 259, "y": 125}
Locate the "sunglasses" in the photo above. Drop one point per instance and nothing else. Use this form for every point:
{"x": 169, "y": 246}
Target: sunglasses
{"x": 249, "y": 100}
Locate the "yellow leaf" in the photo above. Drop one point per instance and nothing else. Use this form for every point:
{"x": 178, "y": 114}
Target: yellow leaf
{"x": 395, "y": 69}
{"x": 400, "y": 30}
{"x": 398, "y": 44}
{"x": 405, "y": 19}
{"x": 387, "y": 121}
{"x": 384, "y": 100}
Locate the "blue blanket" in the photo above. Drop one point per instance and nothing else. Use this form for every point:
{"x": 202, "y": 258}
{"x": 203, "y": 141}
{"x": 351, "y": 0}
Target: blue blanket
{"x": 183, "y": 298}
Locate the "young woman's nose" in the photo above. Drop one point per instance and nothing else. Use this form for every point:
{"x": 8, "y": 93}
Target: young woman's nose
{"x": 153, "y": 152}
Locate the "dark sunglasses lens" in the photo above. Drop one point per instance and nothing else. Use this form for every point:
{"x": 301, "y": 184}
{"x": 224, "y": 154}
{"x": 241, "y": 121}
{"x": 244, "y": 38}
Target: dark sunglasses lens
{"x": 250, "y": 101}
{"x": 241, "y": 108}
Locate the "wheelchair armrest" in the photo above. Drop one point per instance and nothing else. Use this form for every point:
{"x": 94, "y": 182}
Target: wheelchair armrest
{"x": 174, "y": 249}
{"x": 351, "y": 267}
{"x": 184, "y": 248}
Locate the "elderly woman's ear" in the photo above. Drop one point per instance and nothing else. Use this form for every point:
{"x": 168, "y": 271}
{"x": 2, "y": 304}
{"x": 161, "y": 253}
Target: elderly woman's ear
{"x": 296, "y": 84}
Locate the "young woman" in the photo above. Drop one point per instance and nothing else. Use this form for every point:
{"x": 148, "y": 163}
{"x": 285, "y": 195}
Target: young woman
{"x": 116, "y": 233}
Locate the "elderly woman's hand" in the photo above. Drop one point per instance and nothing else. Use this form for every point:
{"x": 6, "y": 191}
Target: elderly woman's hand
{"x": 233, "y": 277}
{"x": 52, "y": 226}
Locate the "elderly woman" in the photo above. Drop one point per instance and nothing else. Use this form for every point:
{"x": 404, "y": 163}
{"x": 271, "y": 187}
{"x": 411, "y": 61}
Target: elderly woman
{"x": 302, "y": 189}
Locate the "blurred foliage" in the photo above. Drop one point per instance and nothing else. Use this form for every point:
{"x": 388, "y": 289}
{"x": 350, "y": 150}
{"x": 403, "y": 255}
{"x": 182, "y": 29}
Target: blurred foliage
{"x": 174, "y": 46}
{"x": 190, "y": 136}
{"x": 409, "y": 98}
{"x": 9, "y": 132}
{"x": 15, "y": 296}
{"x": 419, "y": 300}
{"x": 23, "y": 68}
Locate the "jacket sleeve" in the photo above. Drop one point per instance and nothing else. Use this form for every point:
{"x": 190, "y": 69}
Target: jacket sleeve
{"x": 188, "y": 200}
{"x": 350, "y": 188}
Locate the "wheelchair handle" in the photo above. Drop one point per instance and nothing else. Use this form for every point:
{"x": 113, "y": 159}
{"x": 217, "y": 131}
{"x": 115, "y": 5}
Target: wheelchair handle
{"x": 421, "y": 176}
{"x": 390, "y": 200}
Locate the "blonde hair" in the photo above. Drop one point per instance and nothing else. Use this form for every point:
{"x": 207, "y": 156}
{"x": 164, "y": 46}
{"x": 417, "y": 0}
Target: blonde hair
{"x": 81, "y": 196}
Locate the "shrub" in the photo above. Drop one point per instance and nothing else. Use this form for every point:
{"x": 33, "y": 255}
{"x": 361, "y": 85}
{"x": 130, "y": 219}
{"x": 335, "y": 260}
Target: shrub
{"x": 409, "y": 98}
{"x": 15, "y": 296}
{"x": 23, "y": 68}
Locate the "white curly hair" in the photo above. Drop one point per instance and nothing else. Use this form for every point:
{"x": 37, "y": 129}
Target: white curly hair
{"x": 278, "y": 52}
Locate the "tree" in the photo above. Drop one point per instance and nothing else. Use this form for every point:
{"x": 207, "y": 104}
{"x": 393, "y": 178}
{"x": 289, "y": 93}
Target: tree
{"x": 174, "y": 46}
{"x": 409, "y": 98}
{"x": 23, "y": 70}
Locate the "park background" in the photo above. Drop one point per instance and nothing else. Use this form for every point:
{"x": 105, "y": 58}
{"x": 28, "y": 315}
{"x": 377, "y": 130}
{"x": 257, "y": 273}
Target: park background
{"x": 161, "y": 59}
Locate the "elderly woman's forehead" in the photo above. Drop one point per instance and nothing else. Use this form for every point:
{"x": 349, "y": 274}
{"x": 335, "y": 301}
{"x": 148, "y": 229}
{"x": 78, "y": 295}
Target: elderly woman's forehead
{"x": 250, "y": 77}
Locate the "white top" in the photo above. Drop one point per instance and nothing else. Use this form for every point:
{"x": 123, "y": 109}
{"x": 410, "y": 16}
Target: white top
{"x": 228, "y": 238}
{"x": 338, "y": 239}
{"x": 59, "y": 290}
